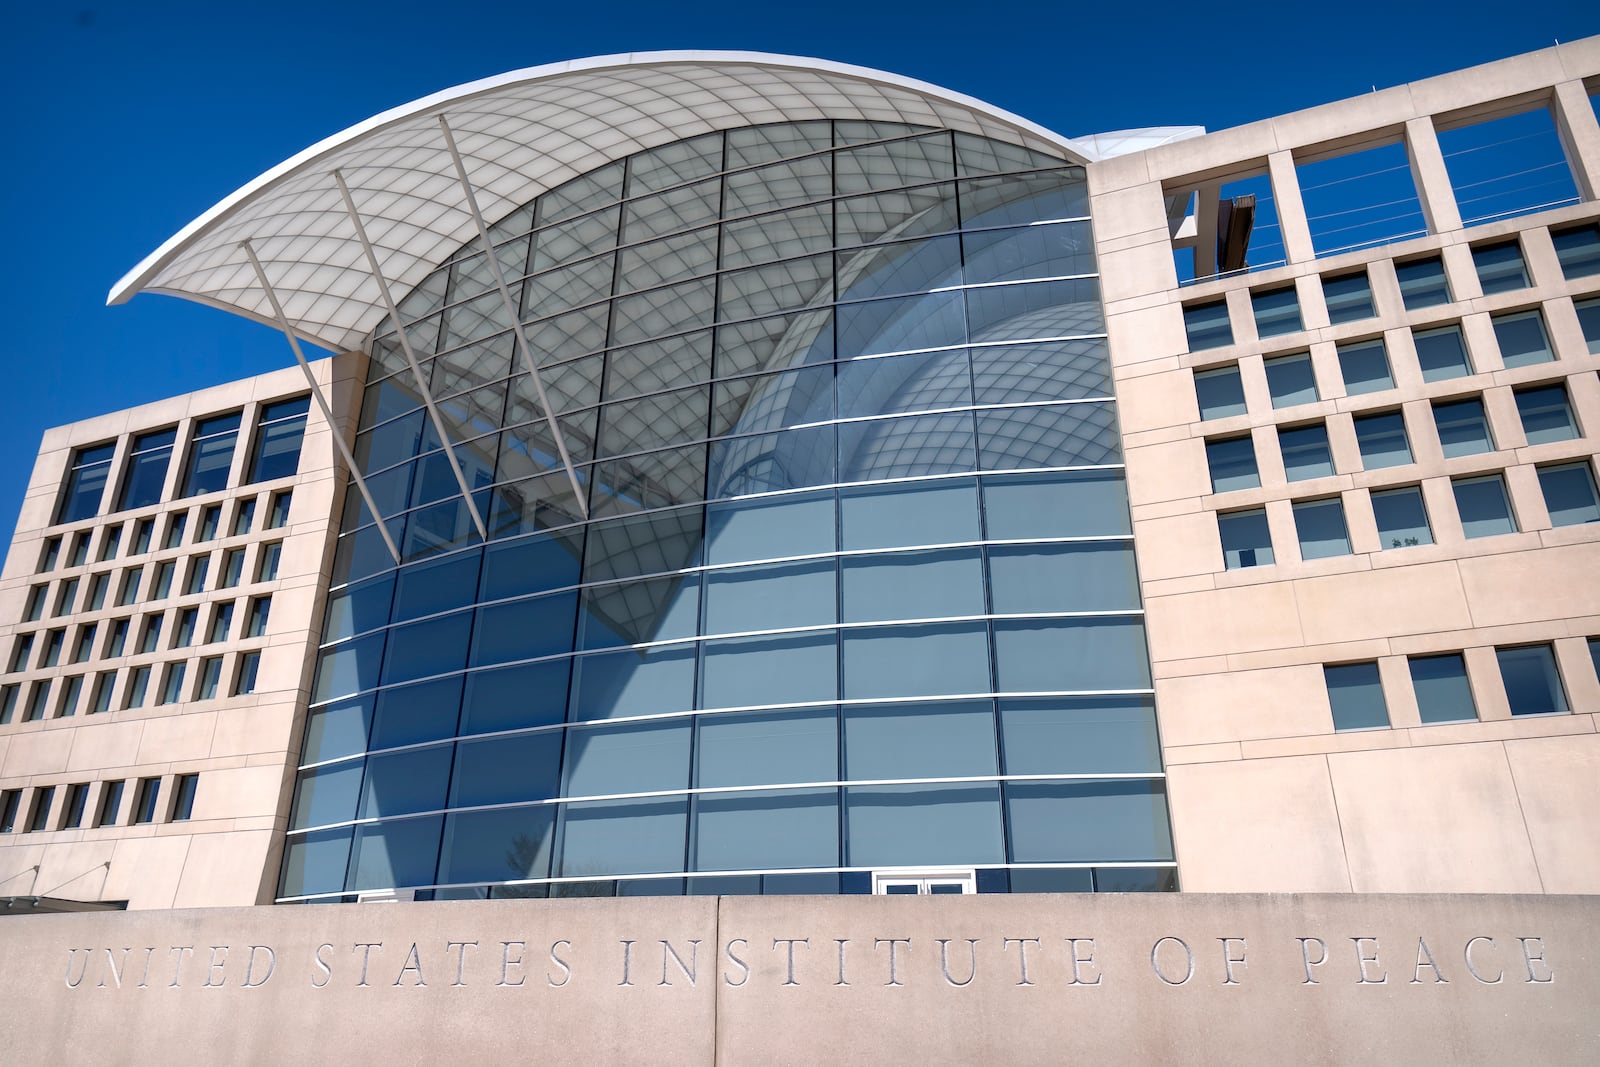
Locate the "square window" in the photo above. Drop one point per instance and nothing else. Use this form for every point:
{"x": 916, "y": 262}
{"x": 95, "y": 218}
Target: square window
{"x": 1277, "y": 312}
{"x": 1233, "y": 464}
{"x": 1484, "y": 506}
{"x": 1291, "y": 380}
{"x": 1246, "y": 540}
{"x": 1321, "y": 528}
{"x": 1382, "y": 440}
{"x": 1365, "y": 367}
{"x": 1546, "y": 414}
{"x": 1522, "y": 339}
{"x": 1402, "y": 518}
{"x": 1422, "y": 283}
{"x": 1441, "y": 353}
{"x": 1533, "y": 684}
{"x": 1443, "y": 692}
{"x": 1578, "y": 249}
{"x": 1355, "y": 694}
{"x": 1305, "y": 452}
{"x": 1220, "y": 392}
{"x": 1349, "y": 298}
{"x": 1589, "y": 322}
{"x": 1569, "y": 494}
{"x": 1500, "y": 268}
{"x": 1463, "y": 428}
{"x": 100, "y": 699}
{"x": 1207, "y": 325}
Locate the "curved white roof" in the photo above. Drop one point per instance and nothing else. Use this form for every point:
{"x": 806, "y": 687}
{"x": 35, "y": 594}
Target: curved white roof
{"x": 521, "y": 134}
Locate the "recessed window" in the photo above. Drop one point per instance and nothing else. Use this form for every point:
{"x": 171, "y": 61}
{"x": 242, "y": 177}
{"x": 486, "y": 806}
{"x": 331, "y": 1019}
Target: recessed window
{"x": 1233, "y": 464}
{"x": 1246, "y": 541}
{"x": 1355, "y": 694}
{"x": 66, "y": 597}
{"x": 1463, "y": 427}
{"x": 1220, "y": 392}
{"x": 38, "y": 701}
{"x": 86, "y": 483}
{"x": 1589, "y": 322}
{"x": 117, "y": 639}
{"x": 138, "y": 686}
{"x": 1291, "y": 380}
{"x": 1321, "y": 528}
{"x": 144, "y": 808}
{"x": 244, "y": 681}
{"x": 34, "y": 610}
{"x": 244, "y": 517}
{"x": 210, "y": 523}
{"x": 146, "y": 475}
{"x": 188, "y": 618}
{"x": 1522, "y": 339}
{"x": 80, "y": 549}
{"x": 162, "y": 587}
{"x": 83, "y": 649}
{"x": 1546, "y": 414}
{"x": 1277, "y": 312}
{"x": 183, "y": 799}
{"x": 1578, "y": 250}
{"x": 100, "y": 698}
{"x": 256, "y": 624}
{"x": 1484, "y": 506}
{"x": 172, "y": 683}
{"x": 271, "y": 553}
{"x": 277, "y": 444}
{"x": 1207, "y": 325}
{"x": 1594, "y": 653}
{"x": 53, "y": 641}
{"x": 1533, "y": 684}
{"x": 150, "y": 639}
{"x": 176, "y": 525}
{"x": 21, "y": 648}
{"x": 1500, "y": 268}
{"x": 143, "y": 530}
{"x": 77, "y": 801}
{"x": 129, "y": 592}
{"x": 221, "y": 622}
{"x": 278, "y": 517}
{"x": 211, "y": 454}
{"x": 1364, "y": 366}
{"x": 1443, "y": 692}
{"x": 210, "y": 678}
{"x": 1441, "y": 353}
{"x": 40, "y": 818}
{"x": 1422, "y": 283}
{"x": 49, "y": 553}
{"x": 1382, "y": 440}
{"x": 1349, "y": 298}
{"x": 1569, "y": 494}
{"x": 1402, "y": 518}
{"x": 199, "y": 566}
{"x": 1305, "y": 452}
{"x": 232, "y": 568}
{"x": 71, "y": 688}
{"x": 97, "y": 592}
{"x": 110, "y": 803}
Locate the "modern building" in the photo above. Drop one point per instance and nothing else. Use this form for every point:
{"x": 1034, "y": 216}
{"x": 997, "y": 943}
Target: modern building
{"x": 744, "y": 475}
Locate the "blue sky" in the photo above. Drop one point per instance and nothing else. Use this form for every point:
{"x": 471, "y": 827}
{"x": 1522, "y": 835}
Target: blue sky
{"x": 125, "y": 121}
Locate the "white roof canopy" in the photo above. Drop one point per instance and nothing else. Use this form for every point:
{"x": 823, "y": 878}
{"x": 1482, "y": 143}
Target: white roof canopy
{"x": 520, "y": 134}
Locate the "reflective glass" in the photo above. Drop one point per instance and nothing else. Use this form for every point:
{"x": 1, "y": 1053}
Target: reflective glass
{"x": 896, "y": 516}
{"x": 1441, "y": 353}
{"x": 1321, "y": 528}
{"x": 1355, "y": 694}
{"x": 1246, "y": 539}
{"x": 210, "y": 454}
{"x": 146, "y": 473}
{"x": 1291, "y": 381}
{"x": 411, "y": 714}
{"x": 1569, "y": 494}
{"x": 495, "y": 846}
{"x": 427, "y": 648}
{"x": 767, "y": 748}
{"x": 1402, "y": 518}
{"x": 1096, "y": 576}
{"x": 1015, "y": 373}
{"x": 770, "y": 529}
{"x": 1364, "y": 365}
{"x": 1078, "y": 821}
{"x": 1348, "y": 298}
{"x": 623, "y": 837}
{"x": 1533, "y": 684}
{"x": 1546, "y": 414}
{"x": 1207, "y": 325}
{"x": 86, "y": 483}
{"x": 400, "y": 783}
{"x": 1522, "y": 339}
{"x": 632, "y": 682}
{"x": 391, "y": 854}
{"x": 792, "y": 668}
{"x": 509, "y": 698}
{"x": 1382, "y": 440}
{"x": 1233, "y": 464}
{"x": 756, "y": 830}
{"x": 1422, "y": 283}
{"x": 1070, "y": 655}
{"x": 1443, "y": 692}
{"x": 1500, "y": 267}
{"x": 1066, "y": 435}
{"x": 1220, "y": 392}
{"x": 1484, "y": 506}
{"x": 505, "y": 770}
{"x": 936, "y": 740}
{"x": 524, "y": 629}
{"x": 911, "y": 585}
{"x": 1069, "y": 504}
{"x": 1079, "y": 735}
{"x": 315, "y": 862}
{"x": 1276, "y": 311}
{"x": 327, "y": 795}
{"x": 889, "y": 826}
{"x": 1305, "y": 452}
{"x": 770, "y": 597}
{"x": 916, "y": 660}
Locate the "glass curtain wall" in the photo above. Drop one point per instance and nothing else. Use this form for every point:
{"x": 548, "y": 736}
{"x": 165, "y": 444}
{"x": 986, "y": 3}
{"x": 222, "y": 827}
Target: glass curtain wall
{"x": 841, "y": 579}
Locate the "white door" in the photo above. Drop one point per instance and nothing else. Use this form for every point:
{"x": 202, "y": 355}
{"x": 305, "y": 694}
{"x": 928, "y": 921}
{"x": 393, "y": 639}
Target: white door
{"x": 924, "y": 883}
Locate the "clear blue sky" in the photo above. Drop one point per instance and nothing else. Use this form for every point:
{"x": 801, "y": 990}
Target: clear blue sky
{"x": 124, "y": 121}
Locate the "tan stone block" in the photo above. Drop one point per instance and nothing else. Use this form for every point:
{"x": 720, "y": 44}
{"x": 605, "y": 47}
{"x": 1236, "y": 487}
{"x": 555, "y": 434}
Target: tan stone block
{"x": 99, "y": 746}
{"x": 1172, "y": 471}
{"x": 1436, "y": 819}
{"x": 145, "y": 871}
{"x": 1261, "y": 825}
{"x": 266, "y": 728}
{"x": 1224, "y": 621}
{"x": 1156, "y": 401}
{"x": 1178, "y": 546}
{"x": 1532, "y": 586}
{"x": 225, "y": 870}
{"x": 74, "y": 870}
{"x": 172, "y": 738}
{"x": 1152, "y": 333}
{"x": 1392, "y": 602}
{"x": 1243, "y": 705}
{"x": 43, "y": 752}
{"x": 246, "y": 792}
{"x": 1172, "y": 757}
{"x": 1558, "y": 787}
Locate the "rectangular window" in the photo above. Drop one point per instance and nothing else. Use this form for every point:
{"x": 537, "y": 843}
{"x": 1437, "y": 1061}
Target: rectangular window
{"x": 1533, "y": 684}
{"x": 1500, "y": 267}
{"x": 1291, "y": 380}
{"x": 143, "y": 530}
{"x": 1355, "y": 693}
{"x": 138, "y": 686}
{"x": 71, "y": 686}
{"x": 1233, "y": 464}
{"x": 172, "y": 683}
{"x": 1349, "y": 298}
{"x": 1321, "y": 528}
{"x": 79, "y": 555}
{"x": 277, "y": 445}
{"x": 109, "y": 542}
{"x": 271, "y": 552}
{"x": 1578, "y": 250}
{"x": 1569, "y": 494}
{"x": 49, "y": 553}
{"x": 150, "y": 637}
{"x": 1506, "y": 166}
{"x": 10, "y": 802}
{"x": 232, "y": 568}
{"x": 21, "y": 649}
{"x": 1207, "y": 325}
{"x": 210, "y": 523}
{"x": 1443, "y": 692}
{"x": 83, "y": 648}
{"x": 146, "y": 475}
{"x": 38, "y": 701}
{"x": 162, "y": 587}
{"x": 1546, "y": 414}
{"x": 244, "y": 682}
{"x": 244, "y": 517}
{"x": 1219, "y": 392}
{"x": 52, "y": 648}
{"x": 129, "y": 593}
{"x": 1441, "y": 353}
{"x": 144, "y": 808}
{"x": 8, "y": 703}
{"x": 1484, "y": 506}
{"x": 211, "y": 454}
{"x": 77, "y": 801}
{"x": 1402, "y": 517}
{"x": 176, "y": 525}
{"x": 86, "y": 483}
{"x": 1359, "y": 198}
{"x": 221, "y": 622}
{"x": 42, "y": 799}
{"x": 65, "y": 598}
{"x": 183, "y": 802}
{"x": 187, "y": 620}
{"x": 110, "y": 803}
{"x": 1589, "y": 322}
{"x": 210, "y": 677}
{"x": 118, "y": 638}
{"x": 1422, "y": 283}
{"x": 256, "y": 625}
{"x": 1365, "y": 367}
{"x": 1382, "y": 440}
{"x": 199, "y": 567}
{"x": 100, "y": 700}
{"x": 1463, "y": 427}
{"x": 278, "y": 518}
{"x": 34, "y": 611}
{"x": 97, "y": 592}
{"x": 1277, "y": 312}
{"x": 1305, "y": 452}
{"x": 1522, "y": 338}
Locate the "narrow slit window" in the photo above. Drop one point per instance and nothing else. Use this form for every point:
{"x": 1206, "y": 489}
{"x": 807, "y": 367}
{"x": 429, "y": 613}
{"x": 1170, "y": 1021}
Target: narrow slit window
{"x": 110, "y": 803}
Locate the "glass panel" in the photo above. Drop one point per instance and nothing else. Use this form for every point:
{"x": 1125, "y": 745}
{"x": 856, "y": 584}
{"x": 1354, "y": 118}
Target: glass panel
{"x": 770, "y": 597}
{"x": 395, "y": 854}
{"x": 1041, "y": 370}
{"x": 1441, "y": 353}
{"x": 1533, "y": 684}
{"x": 1059, "y": 250}
{"x": 1080, "y": 735}
{"x": 504, "y": 770}
{"x": 1355, "y": 694}
{"x": 916, "y": 660}
{"x": 86, "y": 483}
{"x": 1443, "y": 692}
{"x": 770, "y": 529}
{"x": 764, "y": 748}
{"x": 1402, "y": 519}
{"x": 923, "y": 513}
{"x": 1382, "y": 440}
{"x": 529, "y": 565}
{"x": 1569, "y": 494}
{"x": 1277, "y": 312}
{"x": 1021, "y": 199}
{"x": 789, "y": 669}
{"x": 1500, "y": 268}
{"x": 1291, "y": 381}
{"x": 889, "y": 826}
{"x": 1220, "y": 392}
{"x": 1578, "y": 251}
{"x": 1233, "y": 464}
{"x": 1364, "y": 366}
{"x": 211, "y": 454}
{"x": 896, "y": 384}
{"x": 1207, "y": 325}
{"x": 524, "y": 629}
{"x": 326, "y": 795}
{"x": 752, "y": 831}
{"x": 509, "y": 698}
{"x": 1034, "y": 310}
{"x": 1422, "y": 283}
{"x": 1067, "y": 504}
{"x": 277, "y": 445}
{"x": 1067, "y": 655}
{"x": 345, "y": 669}
{"x": 623, "y": 836}
{"x": 1546, "y": 414}
{"x": 632, "y": 613}
{"x": 912, "y": 585}
{"x": 427, "y": 648}
{"x": 315, "y": 863}
{"x": 1484, "y": 506}
{"x": 1321, "y": 528}
{"x": 493, "y": 846}
{"x": 335, "y": 730}
{"x": 953, "y": 740}
{"x": 404, "y": 782}
{"x": 1027, "y": 579}
{"x": 900, "y": 324}
{"x": 632, "y": 682}
{"x": 146, "y": 473}
{"x": 1349, "y": 298}
{"x": 1463, "y": 428}
{"x": 1072, "y": 435}
{"x": 1079, "y": 821}
{"x": 1305, "y": 452}
{"x": 1522, "y": 339}
{"x": 415, "y": 713}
